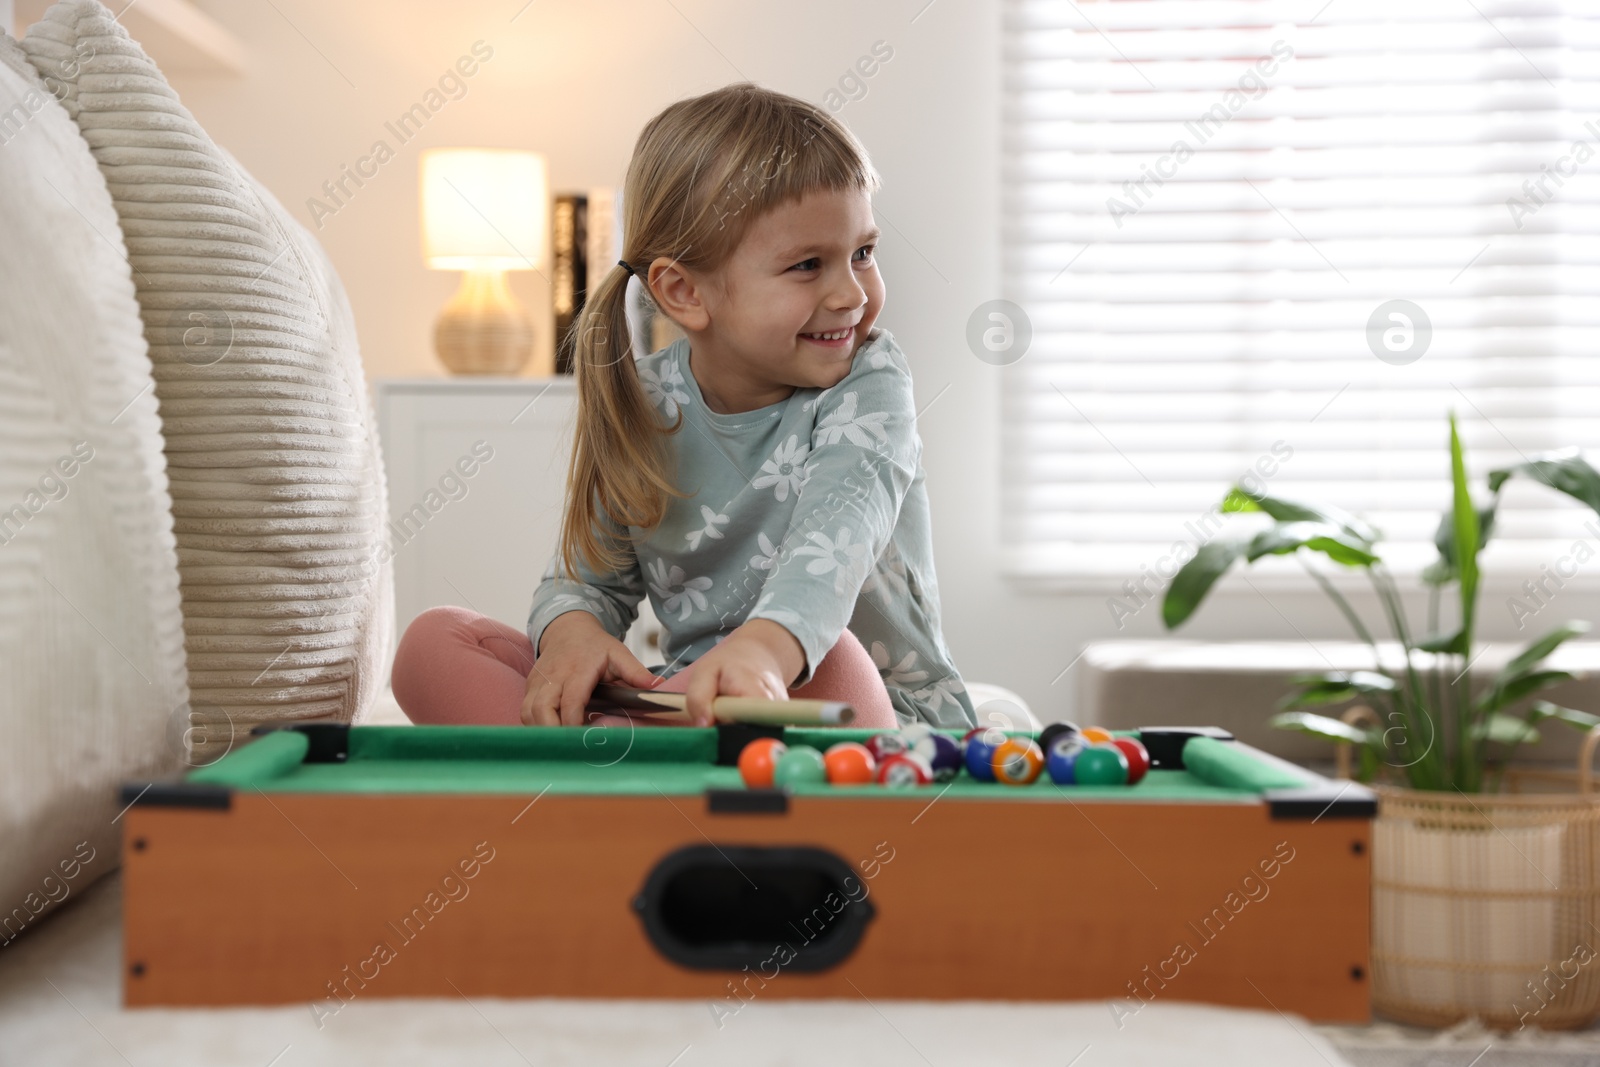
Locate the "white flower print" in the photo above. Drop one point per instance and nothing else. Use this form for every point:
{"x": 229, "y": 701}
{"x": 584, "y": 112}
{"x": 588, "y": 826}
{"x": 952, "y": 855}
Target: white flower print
{"x": 837, "y": 556}
{"x": 900, "y": 674}
{"x": 783, "y": 615}
{"x": 768, "y": 557}
{"x": 880, "y": 358}
{"x": 784, "y": 470}
{"x": 690, "y": 591}
{"x": 940, "y": 693}
{"x": 843, "y": 422}
{"x": 569, "y": 600}
{"x": 665, "y": 390}
{"x": 888, "y": 576}
{"x": 713, "y": 519}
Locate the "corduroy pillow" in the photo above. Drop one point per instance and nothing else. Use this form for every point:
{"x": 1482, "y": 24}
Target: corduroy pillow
{"x": 271, "y": 445}
{"x": 92, "y": 688}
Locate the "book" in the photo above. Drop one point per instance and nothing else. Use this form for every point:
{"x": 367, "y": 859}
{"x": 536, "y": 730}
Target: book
{"x": 569, "y": 260}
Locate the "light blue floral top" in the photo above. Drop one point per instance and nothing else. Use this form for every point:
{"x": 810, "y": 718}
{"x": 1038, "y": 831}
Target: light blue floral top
{"x": 811, "y": 512}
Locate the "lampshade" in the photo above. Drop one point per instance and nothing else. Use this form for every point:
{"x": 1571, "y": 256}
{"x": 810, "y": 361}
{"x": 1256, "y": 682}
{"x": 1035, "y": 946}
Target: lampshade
{"x": 483, "y": 208}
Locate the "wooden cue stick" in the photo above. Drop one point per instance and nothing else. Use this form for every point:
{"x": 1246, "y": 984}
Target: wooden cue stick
{"x": 730, "y": 708}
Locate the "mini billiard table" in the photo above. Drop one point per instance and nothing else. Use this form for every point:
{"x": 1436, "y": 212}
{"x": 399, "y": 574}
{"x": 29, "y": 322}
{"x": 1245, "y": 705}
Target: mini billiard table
{"x": 323, "y": 863}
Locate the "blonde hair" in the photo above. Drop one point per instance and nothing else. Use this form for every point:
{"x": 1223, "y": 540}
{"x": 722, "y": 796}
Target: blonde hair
{"x": 702, "y": 171}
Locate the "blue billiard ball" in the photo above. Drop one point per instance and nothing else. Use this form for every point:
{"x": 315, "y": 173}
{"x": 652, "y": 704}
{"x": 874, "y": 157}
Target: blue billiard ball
{"x": 979, "y": 752}
{"x": 1062, "y": 762}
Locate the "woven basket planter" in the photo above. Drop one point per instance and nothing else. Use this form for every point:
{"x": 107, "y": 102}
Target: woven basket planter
{"x": 1487, "y": 906}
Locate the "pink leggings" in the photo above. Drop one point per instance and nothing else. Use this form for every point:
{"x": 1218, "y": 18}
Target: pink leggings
{"x": 457, "y": 667}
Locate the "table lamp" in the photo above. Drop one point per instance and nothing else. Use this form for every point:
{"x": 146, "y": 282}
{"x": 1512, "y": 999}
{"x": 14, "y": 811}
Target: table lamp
{"x": 484, "y": 211}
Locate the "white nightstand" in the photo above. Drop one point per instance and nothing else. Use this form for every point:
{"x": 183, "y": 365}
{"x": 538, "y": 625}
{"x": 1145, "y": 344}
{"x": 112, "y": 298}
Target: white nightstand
{"x": 480, "y": 540}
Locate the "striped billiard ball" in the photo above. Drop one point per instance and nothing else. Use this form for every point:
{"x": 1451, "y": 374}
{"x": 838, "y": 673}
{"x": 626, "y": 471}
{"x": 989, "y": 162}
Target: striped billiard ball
{"x": 1018, "y": 762}
{"x": 946, "y": 759}
{"x": 915, "y": 735}
{"x": 884, "y": 745}
{"x": 904, "y": 770}
{"x": 1053, "y": 733}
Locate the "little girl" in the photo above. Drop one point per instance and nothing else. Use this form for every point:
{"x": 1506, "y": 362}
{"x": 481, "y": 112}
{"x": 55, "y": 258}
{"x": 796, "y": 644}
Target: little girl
{"x": 760, "y": 478}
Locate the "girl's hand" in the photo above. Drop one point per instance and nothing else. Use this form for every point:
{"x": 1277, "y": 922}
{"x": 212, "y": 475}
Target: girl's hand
{"x": 758, "y": 659}
{"x": 575, "y": 654}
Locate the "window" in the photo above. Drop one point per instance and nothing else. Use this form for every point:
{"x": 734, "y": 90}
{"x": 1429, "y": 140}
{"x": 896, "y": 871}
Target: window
{"x": 1285, "y": 239}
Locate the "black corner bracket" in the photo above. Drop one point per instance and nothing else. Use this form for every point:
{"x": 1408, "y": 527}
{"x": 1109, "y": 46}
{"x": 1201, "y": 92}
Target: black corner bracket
{"x": 328, "y": 742}
{"x": 1332, "y": 800}
{"x": 1165, "y": 743}
{"x": 176, "y": 795}
{"x": 733, "y": 736}
{"x": 747, "y": 802}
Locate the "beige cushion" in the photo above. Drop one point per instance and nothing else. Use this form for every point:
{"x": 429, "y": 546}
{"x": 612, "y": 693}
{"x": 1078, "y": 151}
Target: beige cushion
{"x": 92, "y": 688}
{"x": 272, "y": 451}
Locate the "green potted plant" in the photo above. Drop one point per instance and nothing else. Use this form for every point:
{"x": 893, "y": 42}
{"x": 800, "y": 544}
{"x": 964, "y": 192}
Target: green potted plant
{"x": 1479, "y": 901}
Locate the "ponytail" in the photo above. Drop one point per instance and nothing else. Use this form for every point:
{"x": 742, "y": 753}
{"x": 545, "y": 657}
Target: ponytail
{"x": 620, "y": 465}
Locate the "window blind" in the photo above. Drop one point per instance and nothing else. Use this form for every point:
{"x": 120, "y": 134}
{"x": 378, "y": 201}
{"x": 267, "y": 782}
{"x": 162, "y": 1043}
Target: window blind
{"x": 1210, "y": 210}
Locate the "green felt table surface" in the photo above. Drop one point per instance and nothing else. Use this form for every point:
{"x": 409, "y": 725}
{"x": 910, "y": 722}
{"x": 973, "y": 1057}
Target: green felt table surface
{"x": 664, "y": 761}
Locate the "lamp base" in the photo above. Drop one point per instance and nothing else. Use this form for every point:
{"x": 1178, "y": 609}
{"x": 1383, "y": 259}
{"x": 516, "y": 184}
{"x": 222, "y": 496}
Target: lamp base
{"x": 484, "y": 329}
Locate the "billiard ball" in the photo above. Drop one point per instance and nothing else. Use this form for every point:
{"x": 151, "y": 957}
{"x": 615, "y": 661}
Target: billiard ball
{"x": 884, "y": 745}
{"x": 916, "y": 736}
{"x": 850, "y": 764}
{"x": 1050, "y": 734}
{"x": 1062, "y": 760}
{"x": 904, "y": 770}
{"x": 1018, "y": 762}
{"x": 1101, "y": 764}
{"x": 1138, "y": 757}
{"x": 946, "y": 758}
{"x": 758, "y": 759}
{"x": 979, "y": 752}
{"x": 1095, "y": 733}
{"x": 801, "y": 765}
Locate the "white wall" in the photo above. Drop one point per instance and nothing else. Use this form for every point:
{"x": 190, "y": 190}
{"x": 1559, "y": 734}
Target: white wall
{"x": 576, "y": 81}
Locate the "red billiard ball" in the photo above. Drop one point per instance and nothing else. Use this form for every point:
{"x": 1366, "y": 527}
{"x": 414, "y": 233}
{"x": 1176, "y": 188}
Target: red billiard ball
{"x": 904, "y": 770}
{"x": 1018, "y": 762}
{"x": 758, "y": 760}
{"x": 1138, "y": 757}
{"x": 850, "y": 764}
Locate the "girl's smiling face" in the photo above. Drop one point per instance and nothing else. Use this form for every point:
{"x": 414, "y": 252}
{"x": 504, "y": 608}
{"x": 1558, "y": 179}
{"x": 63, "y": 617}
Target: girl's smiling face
{"x": 805, "y": 267}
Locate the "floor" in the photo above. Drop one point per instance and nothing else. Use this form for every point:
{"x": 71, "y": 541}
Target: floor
{"x": 60, "y": 1006}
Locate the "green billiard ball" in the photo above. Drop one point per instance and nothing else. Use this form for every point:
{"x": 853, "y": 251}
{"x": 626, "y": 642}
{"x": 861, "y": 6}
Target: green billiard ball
{"x": 801, "y": 765}
{"x": 1101, "y": 764}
